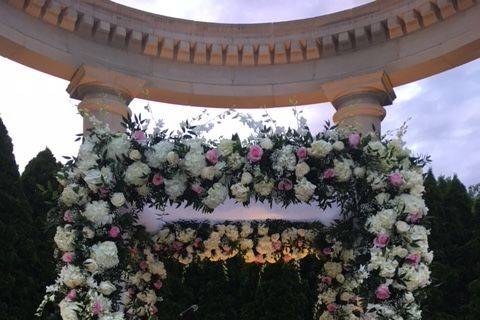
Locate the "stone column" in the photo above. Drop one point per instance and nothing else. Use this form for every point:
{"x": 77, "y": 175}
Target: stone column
{"x": 360, "y": 101}
{"x": 104, "y": 95}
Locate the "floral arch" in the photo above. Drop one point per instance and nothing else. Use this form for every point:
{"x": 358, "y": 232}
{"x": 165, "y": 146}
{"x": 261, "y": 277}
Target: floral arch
{"x": 375, "y": 258}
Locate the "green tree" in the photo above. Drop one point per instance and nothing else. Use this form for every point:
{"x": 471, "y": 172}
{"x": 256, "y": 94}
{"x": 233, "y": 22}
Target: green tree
{"x": 40, "y": 186}
{"x": 18, "y": 285}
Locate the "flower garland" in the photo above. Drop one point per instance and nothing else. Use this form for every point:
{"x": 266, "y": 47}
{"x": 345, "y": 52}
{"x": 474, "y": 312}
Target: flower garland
{"x": 376, "y": 256}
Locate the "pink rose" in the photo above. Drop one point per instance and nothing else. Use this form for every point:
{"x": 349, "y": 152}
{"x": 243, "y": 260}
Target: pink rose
{"x": 327, "y": 251}
{"x": 381, "y": 240}
{"x": 72, "y": 295}
{"x": 331, "y": 307}
{"x": 382, "y": 292}
{"x": 259, "y": 259}
{"x": 413, "y": 258}
{"x": 157, "y": 179}
{"x": 68, "y": 216}
{"x": 139, "y": 136}
{"x": 143, "y": 265}
{"x": 177, "y": 245}
{"x": 197, "y": 243}
{"x": 104, "y": 191}
{"x": 197, "y": 188}
{"x": 302, "y": 153}
{"x": 285, "y": 185}
{"x": 414, "y": 217}
{"x": 114, "y": 231}
{"x": 97, "y": 308}
{"x": 153, "y": 310}
{"x": 255, "y": 153}
{"x": 329, "y": 173}
{"x": 327, "y": 280}
{"x": 67, "y": 257}
{"x": 212, "y": 156}
{"x": 277, "y": 245}
{"x": 354, "y": 140}
{"x": 396, "y": 179}
{"x": 158, "y": 284}
{"x": 287, "y": 258}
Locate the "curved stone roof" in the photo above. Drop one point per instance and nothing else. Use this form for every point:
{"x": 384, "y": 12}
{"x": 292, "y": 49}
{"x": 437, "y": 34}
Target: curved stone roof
{"x": 241, "y": 65}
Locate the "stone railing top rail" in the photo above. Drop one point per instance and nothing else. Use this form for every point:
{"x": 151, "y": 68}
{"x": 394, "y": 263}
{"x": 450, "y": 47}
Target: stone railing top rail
{"x": 213, "y": 64}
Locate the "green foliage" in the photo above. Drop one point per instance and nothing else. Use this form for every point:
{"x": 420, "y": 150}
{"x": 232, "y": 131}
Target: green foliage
{"x": 19, "y": 290}
{"x": 455, "y": 240}
{"x": 40, "y": 187}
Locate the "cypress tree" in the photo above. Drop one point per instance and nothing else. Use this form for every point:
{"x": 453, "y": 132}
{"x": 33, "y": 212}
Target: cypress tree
{"x": 40, "y": 186}
{"x": 18, "y": 249}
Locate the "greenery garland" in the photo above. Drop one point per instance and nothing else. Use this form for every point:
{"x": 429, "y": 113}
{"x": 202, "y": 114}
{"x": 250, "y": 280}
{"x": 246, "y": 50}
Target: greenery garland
{"x": 375, "y": 257}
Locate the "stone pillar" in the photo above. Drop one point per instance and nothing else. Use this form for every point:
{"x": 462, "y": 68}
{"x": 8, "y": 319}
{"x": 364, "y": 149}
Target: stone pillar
{"x": 104, "y": 95}
{"x": 360, "y": 101}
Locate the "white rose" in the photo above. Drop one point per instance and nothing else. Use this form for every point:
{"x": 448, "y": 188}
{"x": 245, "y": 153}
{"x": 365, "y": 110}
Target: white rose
{"x": 88, "y": 233}
{"x": 359, "y": 172}
{"x": 216, "y": 195}
{"x": 105, "y": 254}
{"x": 93, "y": 179}
{"x": 263, "y": 188}
{"x": 225, "y": 147}
{"x": 402, "y": 226}
{"x": 173, "y": 158}
{"x": 159, "y": 153}
{"x": 135, "y": 155}
{"x": 235, "y": 161}
{"x": 91, "y": 265}
{"x": 71, "y": 276}
{"x": 375, "y": 148}
{"x": 68, "y": 309}
{"x": 320, "y": 148}
{"x": 106, "y": 288}
{"x": 118, "y": 199}
{"x": 302, "y": 169}
{"x": 209, "y": 173}
{"x": 246, "y": 178}
{"x": 137, "y": 173}
{"x": 98, "y": 212}
{"x": 240, "y": 192}
{"x": 338, "y": 145}
{"x": 266, "y": 143}
{"x": 176, "y": 186}
{"x": 64, "y": 238}
{"x": 304, "y": 190}
{"x": 118, "y": 147}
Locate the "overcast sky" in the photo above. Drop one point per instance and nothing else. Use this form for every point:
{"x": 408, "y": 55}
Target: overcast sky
{"x": 444, "y": 109}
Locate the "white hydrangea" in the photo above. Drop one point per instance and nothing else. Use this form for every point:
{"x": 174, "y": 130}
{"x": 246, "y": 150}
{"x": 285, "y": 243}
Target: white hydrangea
{"x": 176, "y": 186}
{"x": 320, "y": 149}
{"x": 72, "y": 276}
{"x": 68, "y": 309}
{"x": 208, "y": 173}
{"x": 266, "y": 143}
{"x": 382, "y": 222}
{"x": 216, "y": 195}
{"x": 157, "y": 154}
{"x": 137, "y": 173}
{"x": 194, "y": 162}
{"x": 225, "y": 147}
{"x": 302, "y": 169}
{"x": 263, "y": 188}
{"x": 112, "y": 316}
{"x": 413, "y": 182}
{"x": 343, "y": 171}
{"x": 304, "y": 190}
{"x": 284, "y": 159}
{"x": 338, "y": 145}
{"x": 414, "y": 277}
{"x": 73, "y": 194}
{"x": 375, "y": 148}
{"x": 411, "y": 204}
{"x": 235, "y": 161}
{"x": 65, "y": 238}
{"x": 105, "y": 254}
{"x": 98, "y": 212}
{"x": 118, "y": 147}
{"x": 246, "y": 178}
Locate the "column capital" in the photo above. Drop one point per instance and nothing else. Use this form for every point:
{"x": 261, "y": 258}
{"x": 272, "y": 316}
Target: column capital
{"x": 105, "y": 94}
{"x": 359, "y": 101}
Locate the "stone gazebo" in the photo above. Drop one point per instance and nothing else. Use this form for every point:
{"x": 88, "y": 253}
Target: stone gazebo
{"x": 111, "y": 54}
